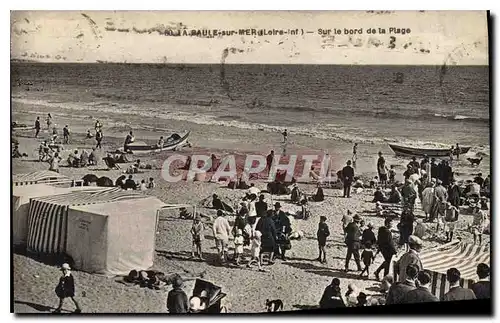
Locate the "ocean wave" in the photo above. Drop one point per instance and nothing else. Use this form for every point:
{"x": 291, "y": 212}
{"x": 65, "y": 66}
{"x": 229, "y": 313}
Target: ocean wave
{"x": 459, "y": 117}
{"x": 320, "y": 131}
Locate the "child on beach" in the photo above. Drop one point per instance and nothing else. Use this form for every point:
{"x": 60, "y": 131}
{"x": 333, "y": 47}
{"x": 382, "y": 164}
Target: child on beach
{"x": 367, "y": 256}
{"x": 392, "y": 175}
{"x": 322, "y": 234}
{"x": 66, "y": 289}
{"x": 143, "y": 186}
{"x": 255, "y": 249}
{"x": 151, "y": 183}
{"x": 238, "y": 246}
{"x": 197, "y": 234}
{"x": 478, "y": 224}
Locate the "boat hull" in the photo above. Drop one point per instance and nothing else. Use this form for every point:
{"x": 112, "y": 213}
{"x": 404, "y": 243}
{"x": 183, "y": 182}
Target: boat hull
{"x": 431, "y": 152}
{"x": 147, "y": 149}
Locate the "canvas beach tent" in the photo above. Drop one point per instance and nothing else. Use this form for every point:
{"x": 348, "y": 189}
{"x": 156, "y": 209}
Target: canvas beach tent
{"x": 113, "y": 238}
{"x": 463, "y": 256}
{"x": 40, "y": 177}
{"x": 21, "y": 196}
{"x": 48, "y": 215}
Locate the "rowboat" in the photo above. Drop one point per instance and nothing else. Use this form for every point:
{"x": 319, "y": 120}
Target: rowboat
{"x": 431, "y": 152}
{"x": 140, "y": 147}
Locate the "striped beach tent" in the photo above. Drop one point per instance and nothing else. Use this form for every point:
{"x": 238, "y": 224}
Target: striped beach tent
{"x": 456, "y": 254}
{"x": 48, "y": 215}
{"x": 39, "y": 177}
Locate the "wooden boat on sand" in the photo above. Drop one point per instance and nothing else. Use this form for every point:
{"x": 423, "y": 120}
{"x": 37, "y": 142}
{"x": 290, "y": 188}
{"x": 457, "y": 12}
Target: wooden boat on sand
{"x": 173, "y": 142}
{"x": 419, "y": 151}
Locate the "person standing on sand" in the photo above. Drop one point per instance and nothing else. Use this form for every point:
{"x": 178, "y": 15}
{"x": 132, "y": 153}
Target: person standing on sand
{"x": 386, "y": 247}
{"x": 98, "y": 138}
{"x": 457, "y": 152}
{"x": 269, "y": 161}
{"x": 98, "y": 125}
{"x": 322, "y": 234}
{"x": 66, "y": 134}
{"x": 352, "y": 240}
{"x": 354, "y": 154}
{"x": 49, "y": 121}
{"x": 268, "y": 239}
{"x": 285, "y": 136}
{"x": 222, "y": 231}
{"x": 382, "y": 169}
{"x": 412, "y": 257}
{"x": 348, "y": 178}
{"x": 66, "y": 289}
{"x": 37, "y": 126}
{"x": 261, "y": 206}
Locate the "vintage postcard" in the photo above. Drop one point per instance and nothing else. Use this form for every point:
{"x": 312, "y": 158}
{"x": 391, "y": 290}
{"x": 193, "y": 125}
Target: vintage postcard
{"x": 250, "y": 161}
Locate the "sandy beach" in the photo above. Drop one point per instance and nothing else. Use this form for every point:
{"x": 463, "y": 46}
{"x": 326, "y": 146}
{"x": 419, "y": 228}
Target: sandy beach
{"x": 299, "y": 281}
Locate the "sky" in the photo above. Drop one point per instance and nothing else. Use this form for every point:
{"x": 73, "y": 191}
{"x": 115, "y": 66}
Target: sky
{"x": 434, "y": 37}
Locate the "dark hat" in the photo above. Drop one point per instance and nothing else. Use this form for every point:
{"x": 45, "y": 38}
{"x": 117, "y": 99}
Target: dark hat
{"x": 277, "y": 204}
{"x": 356, "y": 218}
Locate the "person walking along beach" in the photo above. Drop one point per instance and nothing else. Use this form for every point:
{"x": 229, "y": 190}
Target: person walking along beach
{"x": 352, "y": 240}
{"x": 66, "y": 289}
{"x": 221, "y": 230}
{"x": 382, "y": 169}
{"x": 386, "y": 247}
{"x": 98, "y": 138}
{"x": 37, "y": 126}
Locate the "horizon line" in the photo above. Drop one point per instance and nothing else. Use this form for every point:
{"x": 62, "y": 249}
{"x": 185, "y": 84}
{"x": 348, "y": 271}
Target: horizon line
{"x": 173, "y": 63}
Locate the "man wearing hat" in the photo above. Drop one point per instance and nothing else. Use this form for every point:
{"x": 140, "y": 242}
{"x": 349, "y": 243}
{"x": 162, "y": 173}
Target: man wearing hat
{"x": 348, "y": 178}
{"x": 221, "y": 230}
{"x": 441, "y": 195}
{"x": 410, "y": 258}
{"x": 177, "y": 300}
{"x": 66, "y": 288}
{"x": 352, "y": 240}
{"x": 268, "y": 239}
{"x": 454, "y": 194}
{"x": 261, "y": 206}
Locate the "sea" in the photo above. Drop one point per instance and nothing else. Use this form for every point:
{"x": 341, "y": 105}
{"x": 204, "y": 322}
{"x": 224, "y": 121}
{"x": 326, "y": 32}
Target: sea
{"x": 417, "y": 105}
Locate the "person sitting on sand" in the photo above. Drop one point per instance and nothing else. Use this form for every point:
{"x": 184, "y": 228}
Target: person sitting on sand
{"x": 312, "y": 174}
{"x": 379, "y": 196}
{"x": 304, "y": 212}
{"x": 129, "y": 184}
{"x": 143, "y": 186}
{"x": 120, "y": 181}
{"x": 217, "y": 203}
{"x": 92, "y": 158}
{"x": 332, "y": 296}
{"x": 374, "y": 182}
{"x": 84, "y": 159}
{"x": 15, "y": 152}
{"x": 295, "y": 195}
{"x": 73, "y": 159}
{"x": 319, "y": 196}
{"x": 89, "y": 135}
{"x": 54, "y": 163}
